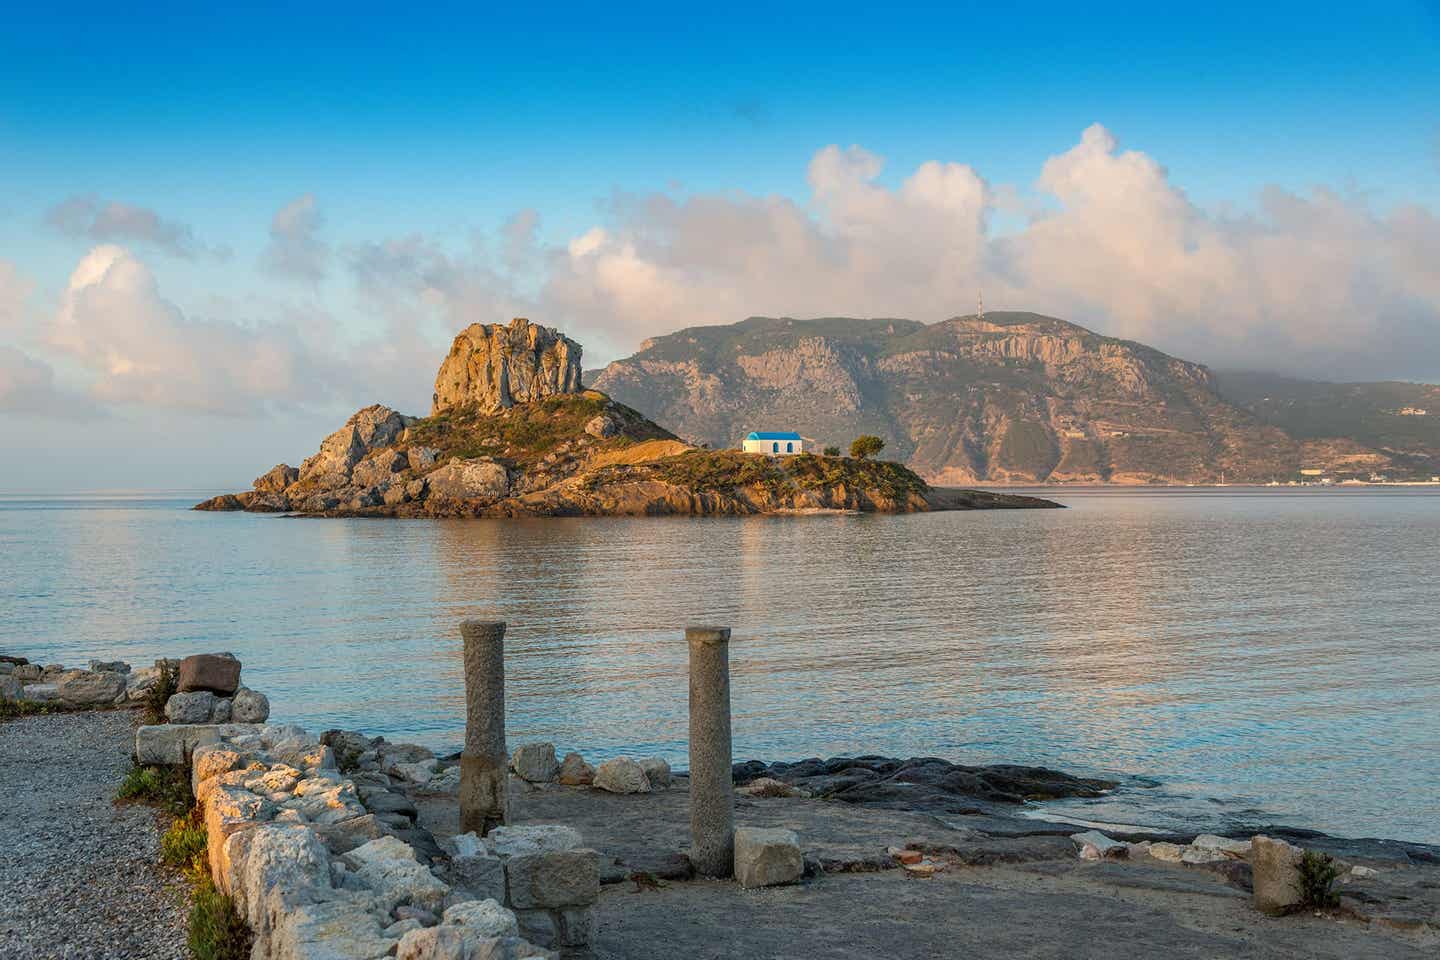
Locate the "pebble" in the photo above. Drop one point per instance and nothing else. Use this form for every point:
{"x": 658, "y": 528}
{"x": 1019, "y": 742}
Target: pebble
{"x": 79, "y": 876}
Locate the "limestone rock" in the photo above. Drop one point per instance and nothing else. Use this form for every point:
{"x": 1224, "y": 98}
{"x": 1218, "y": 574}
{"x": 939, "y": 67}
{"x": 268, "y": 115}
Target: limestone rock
{"x": 276, "y": 479}
{"x": 535, "y": 762}
{"x": 331, "y": 930}
{"x": 82, "y": 688}
{"x": 766, "y": 857}
{"x": 216, "y": 672}
{"x": 139, "y": 683}
{"x": 1276, "y": 874}
{"x": 483, "y": 480}
{"x": 1094, "y": 845}
{"x": 211, "y": 760}
{"x": 248, "y": 706}
{"x": 388, "y": 866}
{"x": 355, "y": 832}
{"x": 372, "y": 427}
{"x": 274, "y": 868}
{"x": 109, "y": 666}
{"x": 27, "y": 672}
{"x": 770, "y": 787}
{"x": 220, "y": 713}
{"x": 494, "y": 366}
{"x": 602, "y": 427}
{"x": 1167, "y": 852}
{"x": 10, "y": 688}
{"x": 378, "y": 468}
{"x": 514, "y": 841}
{"x": 1209, "y": 841}
{"x": 575, "y": 772}
{"x": 39, "y": 692}
{"x": 621, "y": 775}
{"x": 657, "y": 772}
{"x": 568, "y": 878}
{"x": 192, "y": 708}
{"x": 486, "y": 917}
{"x": 421, "y": 459}
{"x": 172, "y": 743}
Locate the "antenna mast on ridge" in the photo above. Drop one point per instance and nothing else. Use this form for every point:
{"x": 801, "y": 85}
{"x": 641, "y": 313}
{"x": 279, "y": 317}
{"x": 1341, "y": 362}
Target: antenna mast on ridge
{"x": 980, "y": 305}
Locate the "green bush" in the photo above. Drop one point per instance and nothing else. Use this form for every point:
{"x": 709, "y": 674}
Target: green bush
{"x": 10, "y": 709}
{"x": 866, "y": 446}
{"x": 183, "y": 846}
{"x": 1317, "y": 874}
{"x": 216, "y": 930}
{"x": 166, "y": 787}
{"x": 160, "y": 694}
{"x": 832, "y": 451}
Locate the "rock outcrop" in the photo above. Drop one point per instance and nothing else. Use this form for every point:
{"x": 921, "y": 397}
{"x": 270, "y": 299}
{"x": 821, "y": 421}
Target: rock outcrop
{"x": 492, "y": 366}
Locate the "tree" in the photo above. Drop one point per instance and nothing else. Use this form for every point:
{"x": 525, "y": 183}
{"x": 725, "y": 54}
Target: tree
{"x": 832, "y": 451}
{"x": 865, "y": 446}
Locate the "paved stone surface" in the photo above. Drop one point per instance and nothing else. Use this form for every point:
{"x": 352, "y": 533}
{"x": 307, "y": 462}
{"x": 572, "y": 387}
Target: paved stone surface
{"x": 79, "y": 875}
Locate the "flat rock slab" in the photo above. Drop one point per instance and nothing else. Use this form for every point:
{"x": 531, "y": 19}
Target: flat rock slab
{"x": 78, "y": 875}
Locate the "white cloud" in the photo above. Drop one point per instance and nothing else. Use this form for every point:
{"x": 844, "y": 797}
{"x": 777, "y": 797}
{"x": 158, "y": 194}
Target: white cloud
{"x": 140, "y": 348}
{"x": 90, "y": 218}
{"x": 14, "y": 294}
{"x": 295, "y": 249}
{"x": 1317, "y": 283}
{"x": 28, "y": 386}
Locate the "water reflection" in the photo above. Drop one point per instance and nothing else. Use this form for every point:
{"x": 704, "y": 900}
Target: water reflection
{"x": 1257, "y": 648}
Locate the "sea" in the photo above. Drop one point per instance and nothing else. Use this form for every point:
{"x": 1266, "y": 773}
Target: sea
{"x": 1232, "y": 656}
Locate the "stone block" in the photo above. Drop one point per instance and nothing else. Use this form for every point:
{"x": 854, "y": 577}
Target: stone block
{"x": 538, "y": 926}
{"x": 569, "y": 878}
{"x": 767, "y": 857}
{"x": 82, "y": 688}
{"x": 1276, "y": 875}
{"x": 535, "y": 838}
{"x": 172, "y": 743}
{"x": 346, "y": 835}
{"x": 487, "y": 918}
{"x": 621, "y": 775}
{"x": 575, "y": 772}
{"x": 209, "y": 760}
{"x": 196, "y": 707}
{"x": 657, "y": 772}
{"x": 388, "y": 866}
{"x": 480, "y": 876}
{"x": 535, "y": 762}
{"x": 216, "y": 672}
{"x": 576, "y": 926}
{"x": 39, "y": 692}
{"x": 10, "y": 688}
{"x": 1094, "y": 845}
{"x": 331, "y": 930}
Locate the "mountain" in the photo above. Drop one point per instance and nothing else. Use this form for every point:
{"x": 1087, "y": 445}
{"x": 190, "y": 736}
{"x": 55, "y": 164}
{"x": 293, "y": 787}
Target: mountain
{"x": 1010, "y": 397}
{"x": 513, "y": 433}
{"x": 1397, "y": 419}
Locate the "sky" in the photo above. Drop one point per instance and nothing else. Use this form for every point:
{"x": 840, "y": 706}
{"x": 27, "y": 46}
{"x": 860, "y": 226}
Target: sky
{"x": 221, "y": 232}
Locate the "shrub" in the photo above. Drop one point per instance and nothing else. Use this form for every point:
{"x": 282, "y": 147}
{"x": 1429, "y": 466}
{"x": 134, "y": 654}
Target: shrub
{"x": 1317, "y": 873}
{"x": 160, "y": 694}
{"x": 166, "y": 787}
{"x": 10, "y": 709}
{"x": 832, "y": 451}
{"x": 865, "y": 446}
{"x": 216, "y": 930}
{"x": 183, "y": 846}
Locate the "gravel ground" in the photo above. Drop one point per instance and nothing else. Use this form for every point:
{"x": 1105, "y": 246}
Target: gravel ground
{"x": 79, "y": 875}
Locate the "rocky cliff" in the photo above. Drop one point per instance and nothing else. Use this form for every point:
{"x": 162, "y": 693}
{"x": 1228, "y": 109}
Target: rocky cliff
{"x": 1013, "y": 397}
{"x": 493, "y": 366}
{"x": 525, "y": 443}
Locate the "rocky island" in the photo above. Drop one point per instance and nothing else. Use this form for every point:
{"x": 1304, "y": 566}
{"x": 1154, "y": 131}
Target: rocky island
{"x": 512, "y": 432}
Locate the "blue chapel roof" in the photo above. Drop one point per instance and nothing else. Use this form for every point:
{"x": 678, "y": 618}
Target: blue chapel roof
{"x": 763, "y": 435}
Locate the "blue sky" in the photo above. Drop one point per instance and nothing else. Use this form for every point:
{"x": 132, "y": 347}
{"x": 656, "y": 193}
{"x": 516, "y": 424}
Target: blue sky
{"x": 418, "y": 133}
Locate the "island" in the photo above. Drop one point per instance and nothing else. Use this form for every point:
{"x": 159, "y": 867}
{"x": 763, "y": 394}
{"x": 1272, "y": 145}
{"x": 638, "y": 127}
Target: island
{"x": 512, "y": 432}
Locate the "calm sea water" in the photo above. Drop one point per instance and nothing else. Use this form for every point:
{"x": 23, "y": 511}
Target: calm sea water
{"x": 1260, "y": 656}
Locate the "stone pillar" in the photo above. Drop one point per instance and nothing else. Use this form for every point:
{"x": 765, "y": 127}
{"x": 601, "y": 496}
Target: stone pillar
{"x": 712, "y": 788}
{"x": 483, "y": 762}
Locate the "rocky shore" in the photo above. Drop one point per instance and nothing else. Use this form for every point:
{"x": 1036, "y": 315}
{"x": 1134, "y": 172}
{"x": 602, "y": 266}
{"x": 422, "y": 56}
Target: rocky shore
{"x": 512, "y": 433}
{"x": 340, "y": 845}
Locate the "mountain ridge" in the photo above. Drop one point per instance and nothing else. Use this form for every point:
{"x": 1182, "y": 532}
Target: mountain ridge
{"x": 1008, "y": 397}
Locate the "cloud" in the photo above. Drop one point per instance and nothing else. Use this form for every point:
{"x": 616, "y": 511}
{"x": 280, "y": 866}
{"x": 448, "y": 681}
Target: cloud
{"x": 14, "y": 293}
{"x": 139, "y": 348}
{"x": 90, "y": 218}
{"x": 1311, "y": 283}
{"x": 28, "y": 386}
{"x": 295, "y": 249}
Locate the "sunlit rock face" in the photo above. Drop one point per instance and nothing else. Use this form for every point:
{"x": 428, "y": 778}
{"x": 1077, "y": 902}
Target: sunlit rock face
{"x": 493, "y": 366}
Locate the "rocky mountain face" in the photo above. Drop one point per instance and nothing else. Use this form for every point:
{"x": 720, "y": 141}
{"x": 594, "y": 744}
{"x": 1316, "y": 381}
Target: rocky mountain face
{"x": 514, "y": 435}
{"x": 493, "y": 366}
{"x": 1012, "y": 397}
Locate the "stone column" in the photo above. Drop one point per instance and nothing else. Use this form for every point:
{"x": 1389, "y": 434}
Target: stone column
{"x": 483, "y": 762}
{"x": 712, "y": 788}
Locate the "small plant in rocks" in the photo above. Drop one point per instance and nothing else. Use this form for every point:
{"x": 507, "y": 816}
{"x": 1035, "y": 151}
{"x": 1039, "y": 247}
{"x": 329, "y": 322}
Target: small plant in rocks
{"x": 1317, "y": 875}
{"x": 161, "y": 786}
{"x": 165, "y": 687}
{"x": 183, "y": 846}
{"x": 217, "y": 931}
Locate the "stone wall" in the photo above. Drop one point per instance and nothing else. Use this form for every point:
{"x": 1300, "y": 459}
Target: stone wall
{"x": 105, "y": 683}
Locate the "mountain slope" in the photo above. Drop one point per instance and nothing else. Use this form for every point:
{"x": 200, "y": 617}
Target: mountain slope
{"x": 1012, "y": 397}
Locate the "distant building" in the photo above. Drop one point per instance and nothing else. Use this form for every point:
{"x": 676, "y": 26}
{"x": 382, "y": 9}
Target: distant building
{"x": 1413, "y": 412}
{"x": 773, "y": 443}
{"x": 1311, "y": 473}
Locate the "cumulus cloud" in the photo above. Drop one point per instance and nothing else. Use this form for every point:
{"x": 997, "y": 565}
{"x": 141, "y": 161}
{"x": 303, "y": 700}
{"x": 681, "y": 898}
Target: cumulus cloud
{"x": 14, "y": 292}
{"x": 140, "y": 348}
{"x": 1313, "y": 283}
{"x": 295, "y": 249}
{"x": 89, "y": 218}
{"x": 27, "y": 385}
